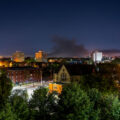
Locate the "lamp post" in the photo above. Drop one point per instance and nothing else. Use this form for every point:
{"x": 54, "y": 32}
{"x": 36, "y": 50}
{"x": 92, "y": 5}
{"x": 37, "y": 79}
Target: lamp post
{"x": 41, "y": 77}
{"x": 31, "y": 79}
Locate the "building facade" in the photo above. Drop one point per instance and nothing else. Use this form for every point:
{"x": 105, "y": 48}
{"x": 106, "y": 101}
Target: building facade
{"x": 97, "y": 56}
{"x": 18, "y": 56}
{"x": 72, "y": 72}
{"x": 41, "y": 56}
{"x": 24, "y": 74}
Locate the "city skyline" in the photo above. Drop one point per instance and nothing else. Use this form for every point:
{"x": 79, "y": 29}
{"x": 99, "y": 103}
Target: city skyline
{"x": 29, "y": 26}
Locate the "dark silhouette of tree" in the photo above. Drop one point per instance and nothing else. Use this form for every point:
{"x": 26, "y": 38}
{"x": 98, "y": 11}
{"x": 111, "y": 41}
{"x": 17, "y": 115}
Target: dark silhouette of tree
{"x": 5, "y": 88}
{"x": 74, "y": 104}
{"x": 42, "y": 104}
{"x": 78, "y": 104}
{"x": 98, "y": 81}
{"x": 19, "y": 103}
{"x": 6, "y": 113}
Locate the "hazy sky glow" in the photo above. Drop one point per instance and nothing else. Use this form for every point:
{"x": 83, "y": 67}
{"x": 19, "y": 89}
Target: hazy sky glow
{"x": 29, "y": 25}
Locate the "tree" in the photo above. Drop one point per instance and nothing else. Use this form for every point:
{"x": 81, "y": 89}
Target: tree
{"x": 99, "y": 81}
{"x": 42, "y": 104}
{"x": 116, "y": 108}
{"x": 19, "y": 103}
{"x": 74, "y": 104}
{"x": 15, "y": 64}
{"x": 116, "y": 61}
{"x": 105, "y": 77}
{"x": 5, "y": 88}
{"x": 107, "y": 105}
{"x": 6, "y": 113}
{"x": 78, "y": 104}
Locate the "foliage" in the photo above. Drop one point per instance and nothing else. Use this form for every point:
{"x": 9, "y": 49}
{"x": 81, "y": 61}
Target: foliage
{"x": 77, "y": 104}
{"x": 50, "y": 69}
{"x": 5, "y": 88}
{"x": 74, "y": 104}
{"x": 42, "y": 104}
{"x": 29, "y": 60}
{"x": 116, "y": 108}
{"x": 116, "y": 61}
{"x": 6, "y": 113}
{"x": 102, "y": 83}
{"x": 19, "y": 104}
{"x": 15, "y": 64}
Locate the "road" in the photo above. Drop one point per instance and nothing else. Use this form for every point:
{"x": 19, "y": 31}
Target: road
{"x": 31, "y": 87}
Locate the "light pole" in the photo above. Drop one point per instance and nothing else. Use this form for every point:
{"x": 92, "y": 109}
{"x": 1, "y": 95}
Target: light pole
{"x": 41, "y": 77}
{"x": 31, "y": 79}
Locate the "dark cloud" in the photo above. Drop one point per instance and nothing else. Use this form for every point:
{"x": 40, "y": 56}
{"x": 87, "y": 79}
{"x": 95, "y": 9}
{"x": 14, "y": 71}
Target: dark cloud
{"x": 64, "y": 47}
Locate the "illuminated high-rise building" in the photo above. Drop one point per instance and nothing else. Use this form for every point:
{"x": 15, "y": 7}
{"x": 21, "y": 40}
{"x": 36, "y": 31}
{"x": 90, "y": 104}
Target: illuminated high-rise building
{"x": 41, "y": 56}
{"x": 97, "y": 56}
{"x": 18, "y": 56}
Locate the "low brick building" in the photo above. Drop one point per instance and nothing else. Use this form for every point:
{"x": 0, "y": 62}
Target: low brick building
{"x": 24, "y": 74}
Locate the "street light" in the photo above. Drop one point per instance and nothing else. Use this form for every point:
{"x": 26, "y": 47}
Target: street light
{"x": 41, "y": 77}
{"x": 31, "y": 78}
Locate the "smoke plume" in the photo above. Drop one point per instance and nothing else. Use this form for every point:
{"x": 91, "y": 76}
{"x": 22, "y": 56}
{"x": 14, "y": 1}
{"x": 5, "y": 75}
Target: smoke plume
{"x": 111, "y": 52}
{"x": 64, "y": 47}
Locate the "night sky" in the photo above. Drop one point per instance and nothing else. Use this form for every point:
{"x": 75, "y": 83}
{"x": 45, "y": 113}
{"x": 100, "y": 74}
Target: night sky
{"x": 30, "y": 25}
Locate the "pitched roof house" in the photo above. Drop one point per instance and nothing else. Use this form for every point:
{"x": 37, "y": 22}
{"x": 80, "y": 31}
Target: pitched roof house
{"x": 71, "y": 72}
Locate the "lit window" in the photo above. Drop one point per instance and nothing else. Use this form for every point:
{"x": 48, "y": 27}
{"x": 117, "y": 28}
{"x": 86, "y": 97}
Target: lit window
{"x": 63, "y": 76}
